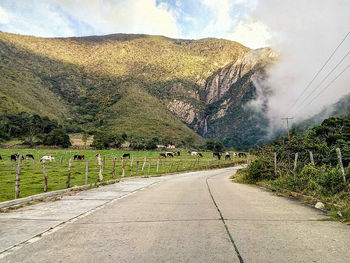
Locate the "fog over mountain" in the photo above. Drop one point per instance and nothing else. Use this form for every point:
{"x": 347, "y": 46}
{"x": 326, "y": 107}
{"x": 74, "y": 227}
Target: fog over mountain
{"x": 304, "y": 34}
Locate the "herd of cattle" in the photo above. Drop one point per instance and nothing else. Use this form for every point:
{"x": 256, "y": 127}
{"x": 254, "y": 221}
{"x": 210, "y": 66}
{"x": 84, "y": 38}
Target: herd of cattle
{"x": 218, "y": 155}
{"x": 215, "y": 154}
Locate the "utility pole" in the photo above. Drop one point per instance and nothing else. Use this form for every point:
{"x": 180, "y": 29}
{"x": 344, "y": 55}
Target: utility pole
{"x": 287, "y": 119}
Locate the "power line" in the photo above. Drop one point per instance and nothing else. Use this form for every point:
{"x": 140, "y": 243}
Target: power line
{"x": 325, "y": 78}
{"x": 325, "y": 88}
{"x": 316, "y": 75}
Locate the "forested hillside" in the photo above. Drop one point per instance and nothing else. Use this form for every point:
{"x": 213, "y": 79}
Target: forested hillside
{"x": 140, "y": 85}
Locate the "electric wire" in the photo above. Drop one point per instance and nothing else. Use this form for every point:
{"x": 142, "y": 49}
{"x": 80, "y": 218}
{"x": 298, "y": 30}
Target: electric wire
{"x": 325, "y": 78}
{"x": 316, "y": 75}
{"x": 324, "y": 89}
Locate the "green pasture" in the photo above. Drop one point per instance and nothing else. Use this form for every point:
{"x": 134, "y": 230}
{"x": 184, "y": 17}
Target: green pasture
{"x": 32, "y": 178}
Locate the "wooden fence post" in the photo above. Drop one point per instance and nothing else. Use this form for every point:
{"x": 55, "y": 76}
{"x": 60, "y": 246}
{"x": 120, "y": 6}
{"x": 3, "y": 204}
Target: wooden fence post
{"x": 157, "y": 166}
{"x": 149, "y": 168}
{"x": 275, "y": 161}
{"x": 171, "y": 166}
{"x": 69, "y": 173}
{"x": 312, "y": 158}
{"x": 18, "y": 179}
{"x": 341, "y": 163}
{"x": 45, "y": 176}
{"x": 295, "y": 162}
{"x": 100, "y": 174}
{"x": 137, "y": 168}
{"x": 86, "y": 172}
{"x": 104, "y": 161}
{"x": 131, "y": 165}
{"x": 123, "y": 168}
{"x": 113, "y": 172}
{"x": 143, "y": 165}
{"x": 61, "y": 160}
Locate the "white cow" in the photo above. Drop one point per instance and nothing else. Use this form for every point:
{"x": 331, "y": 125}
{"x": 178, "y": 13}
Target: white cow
{"x": 47, "y": 158}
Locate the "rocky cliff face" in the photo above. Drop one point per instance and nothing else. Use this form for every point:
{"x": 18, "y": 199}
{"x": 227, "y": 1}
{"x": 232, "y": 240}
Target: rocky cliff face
{"x": 222, "y": 112}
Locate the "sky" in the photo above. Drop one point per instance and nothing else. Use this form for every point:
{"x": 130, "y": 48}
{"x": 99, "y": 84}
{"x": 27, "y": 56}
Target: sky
{"x": 189, "y": 19}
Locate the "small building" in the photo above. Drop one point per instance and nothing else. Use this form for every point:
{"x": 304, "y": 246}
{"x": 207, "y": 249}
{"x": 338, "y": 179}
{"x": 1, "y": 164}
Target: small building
{"x": 171, "y": 146}
{"x": 159, "y": 146}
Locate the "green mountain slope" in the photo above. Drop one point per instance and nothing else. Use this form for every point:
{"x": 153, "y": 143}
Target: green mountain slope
{"x": 138, "y": 84}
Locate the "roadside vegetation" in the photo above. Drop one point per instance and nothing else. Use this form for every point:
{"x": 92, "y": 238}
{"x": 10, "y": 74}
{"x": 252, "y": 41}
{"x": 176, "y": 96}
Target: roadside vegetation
{"x": 318, "y": 179}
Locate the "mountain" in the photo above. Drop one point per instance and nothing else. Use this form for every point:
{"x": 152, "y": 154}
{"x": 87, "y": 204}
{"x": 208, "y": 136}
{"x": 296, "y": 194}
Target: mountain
{"x": 178, "y": 90}
{"x": 339, "y": 109}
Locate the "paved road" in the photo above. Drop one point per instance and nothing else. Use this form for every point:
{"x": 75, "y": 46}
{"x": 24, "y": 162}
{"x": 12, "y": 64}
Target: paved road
{"x": 194, "y": 217}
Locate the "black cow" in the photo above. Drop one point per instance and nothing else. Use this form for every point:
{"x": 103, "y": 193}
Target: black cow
{"x": 30, "y": 156}
{"x": 240, "y": 155}
{"x": 199, "y": 155}
{"x": 217, "y": 154}
{"x": 0, "y": 157}
{"x": 79, "y": 157}
{"x": 15, "y": 156}
{"x": 162, "y": 155}
{"x": 227, "y": 157}
{"x": 169, "y": 154}
{"x": 126, "y": 155}
{"x": 178, "y": 153}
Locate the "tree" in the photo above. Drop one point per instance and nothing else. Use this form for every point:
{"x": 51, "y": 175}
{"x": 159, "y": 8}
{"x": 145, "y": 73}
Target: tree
{"x": 102, "y": 140}
{"x": 57, "y": 137}
{"x": 84, "y": 138}
{"x": 152, "y": 144}
{"x": 215, "y": 146}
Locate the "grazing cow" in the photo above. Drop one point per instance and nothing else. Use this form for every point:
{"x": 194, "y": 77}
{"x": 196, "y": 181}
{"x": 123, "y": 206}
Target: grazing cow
{"x": 29, "y": 156}
{"x": 227, "y": 156}
{"x": 194, "y": 153}
{"x": 169, "y": 154}
{"x": 240, "y": 155}
{"x": 15, "y": 156}
{"x": 126, "y": 155}
{"x": 199, "y": 155}
{"x": 162, "y": 155}
{"x": 235, "y": 154}
{"x": 47, "y": 158}
{"x": 79, "y": 157}
{"x": 217, "y": 154}
{"x": 178, "y": 153}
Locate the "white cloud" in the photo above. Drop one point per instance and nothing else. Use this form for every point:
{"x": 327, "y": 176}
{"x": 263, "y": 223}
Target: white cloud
{"x": 63, "y": 18}
{"x": 222, "y": 20}
{"x": 128, "y": 16}
{"x": 4, "y": 16}
{"x": 251, "y": 33}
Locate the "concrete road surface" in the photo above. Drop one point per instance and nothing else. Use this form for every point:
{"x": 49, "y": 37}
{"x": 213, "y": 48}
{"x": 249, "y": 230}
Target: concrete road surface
{"x": 193, "y": 217}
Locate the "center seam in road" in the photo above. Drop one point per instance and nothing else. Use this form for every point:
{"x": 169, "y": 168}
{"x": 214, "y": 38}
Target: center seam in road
{"x": 223, "y": 221}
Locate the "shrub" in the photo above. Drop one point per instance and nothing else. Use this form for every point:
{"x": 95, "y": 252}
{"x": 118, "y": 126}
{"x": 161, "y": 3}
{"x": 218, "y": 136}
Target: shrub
{"x": 307, "y": 178}
{"x": 332, "y": 181}
{"x": 259, "y": 170}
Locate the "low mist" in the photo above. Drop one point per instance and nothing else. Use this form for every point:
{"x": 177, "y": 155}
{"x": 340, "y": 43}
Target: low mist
{"x": 304, "y": 34}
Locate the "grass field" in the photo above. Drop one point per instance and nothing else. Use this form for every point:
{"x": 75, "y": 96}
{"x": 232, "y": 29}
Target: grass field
{"x": 32, "y": 178}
